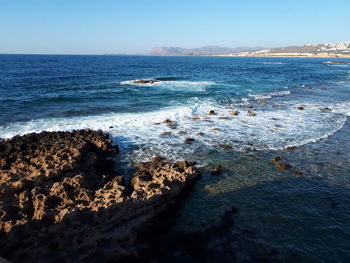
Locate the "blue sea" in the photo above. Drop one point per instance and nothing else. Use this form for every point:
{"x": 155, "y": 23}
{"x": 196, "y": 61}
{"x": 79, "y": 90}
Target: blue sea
{"x": 302, "y": 213}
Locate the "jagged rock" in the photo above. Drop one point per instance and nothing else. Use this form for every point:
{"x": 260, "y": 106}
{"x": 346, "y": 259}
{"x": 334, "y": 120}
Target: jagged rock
{"x": 62, "y": 201}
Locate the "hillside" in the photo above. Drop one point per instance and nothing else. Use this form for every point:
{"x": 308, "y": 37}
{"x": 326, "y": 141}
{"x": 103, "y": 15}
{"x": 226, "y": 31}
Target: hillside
{"x": 207, "y": 50}
{"x": 339, "y": 49}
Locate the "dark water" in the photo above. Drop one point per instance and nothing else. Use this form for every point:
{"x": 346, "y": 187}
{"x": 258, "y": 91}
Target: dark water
{"x": 302, "y": 213}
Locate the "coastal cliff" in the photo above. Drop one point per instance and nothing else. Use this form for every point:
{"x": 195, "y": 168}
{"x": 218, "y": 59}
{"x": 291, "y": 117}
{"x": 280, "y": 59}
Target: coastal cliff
{"x": 62, "y": 200}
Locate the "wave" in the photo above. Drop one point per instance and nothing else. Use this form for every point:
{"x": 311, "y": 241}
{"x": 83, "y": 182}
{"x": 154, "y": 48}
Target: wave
{"x": 273, "y": 63}
{"x": 170, "y": 84}
{"x": 270, "y": 94}
{"x": 139, "y": 135}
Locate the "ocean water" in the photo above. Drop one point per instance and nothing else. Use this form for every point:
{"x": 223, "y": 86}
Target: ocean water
{"x": 303, "y": 216}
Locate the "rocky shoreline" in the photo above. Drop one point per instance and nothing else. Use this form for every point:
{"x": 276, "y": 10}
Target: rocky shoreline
{"x": 63, "y": 200}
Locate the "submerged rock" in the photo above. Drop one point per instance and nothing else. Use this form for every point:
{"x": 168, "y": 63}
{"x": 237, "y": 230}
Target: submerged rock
{"x": 217, "y": 171}
{"x": 61, "y": 199}
{"x": 325, "y": 110}
{"x": 164, "y": 134}
{"x": 225, "y": 146}
{"x": 276, "y": 159}
{"x": 282, "y": 166}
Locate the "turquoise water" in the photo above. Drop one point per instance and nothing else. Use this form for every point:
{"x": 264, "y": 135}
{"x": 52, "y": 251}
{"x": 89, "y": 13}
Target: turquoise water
{"x": 304, "y": 216}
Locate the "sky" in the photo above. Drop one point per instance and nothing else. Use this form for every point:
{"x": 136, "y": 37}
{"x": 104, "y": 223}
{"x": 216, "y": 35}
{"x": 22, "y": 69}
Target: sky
{"x": 136, "y": 26}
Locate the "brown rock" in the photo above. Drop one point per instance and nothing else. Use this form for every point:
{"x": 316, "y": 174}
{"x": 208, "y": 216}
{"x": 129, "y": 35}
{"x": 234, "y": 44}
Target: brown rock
{"x": 276, "y": 159}
{"x": 299, "y": 108}
{"x": 225, "y": 146}
{"x": 282, "y": 166}
{"x": 223, "y": 118}
{"x": 248, "y": 106}
{"x": 189, "y": 140}
{"x": 182, "y": 132}
{"x": 250, "y": 113}
{"x": 200, "y": 133}
{"x": 234, "y": 113}
{"x": 61, "y": 199}
{"x": 216, "y": 129}
{"x": 167, "y": 121}
{"x": 163, "y": 134}
{"x": 211, "y": 112}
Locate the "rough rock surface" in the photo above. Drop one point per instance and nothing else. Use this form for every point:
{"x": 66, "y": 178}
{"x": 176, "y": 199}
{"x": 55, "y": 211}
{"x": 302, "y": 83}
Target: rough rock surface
{"x": 62, "y": 201}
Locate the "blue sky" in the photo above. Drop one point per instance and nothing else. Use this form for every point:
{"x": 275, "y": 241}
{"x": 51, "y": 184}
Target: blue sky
{"x": 135, "y": 26}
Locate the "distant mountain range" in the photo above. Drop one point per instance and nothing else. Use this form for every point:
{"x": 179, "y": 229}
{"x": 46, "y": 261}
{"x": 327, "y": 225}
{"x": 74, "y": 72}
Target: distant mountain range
{"x": 207, "y": 50}
{"x": 339, "y": 49}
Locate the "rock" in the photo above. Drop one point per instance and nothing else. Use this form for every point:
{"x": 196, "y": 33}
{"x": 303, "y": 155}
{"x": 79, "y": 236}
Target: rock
{"x": 250, "y": 113}
{"x": 189, "y": 140}
{"x": 339, "y": 62}
{"x": 323, "y": 88}
{"x": 276, "y": 159}
{"x": 282, "y": 166}
{"x": 211, "y": 112}
{"x": 164, "y": 134}
{"x": 223, "y": 118}
{"x": 298, "y": 173}
{"x": 195, "y": 118}
{"x": 172, "y": 125}
{"x": 225, "y": 146}
{"x": 111, "y": 127}
{"x": 325, "y": 110}
{"x": 200, "y": 133}
{"x": 234, "y": 113}
{"x": 216, "y": 129}
{"x": 217, "y": 171}
{"x": 167, "y": 121}
{"x": 61, "y": 200}
{"x": 145, "y": 81}
{"x": 182, "y": 132}
{"x": 248, "y": 106}
{"x": 299, "y": 108}
{"x": 291, "y": 148}
{"x": 156, "y": 123}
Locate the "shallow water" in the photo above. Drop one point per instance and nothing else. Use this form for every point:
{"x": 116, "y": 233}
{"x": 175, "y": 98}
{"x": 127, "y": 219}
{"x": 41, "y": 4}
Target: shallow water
{"x": 304, "y": 215}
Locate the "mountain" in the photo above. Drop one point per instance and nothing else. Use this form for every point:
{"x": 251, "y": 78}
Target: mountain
{"x": 207, "y": 50}
{"x": 339, "y": 49}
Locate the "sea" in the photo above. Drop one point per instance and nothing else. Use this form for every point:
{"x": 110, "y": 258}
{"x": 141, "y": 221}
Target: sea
{"x": 294, "y": 108}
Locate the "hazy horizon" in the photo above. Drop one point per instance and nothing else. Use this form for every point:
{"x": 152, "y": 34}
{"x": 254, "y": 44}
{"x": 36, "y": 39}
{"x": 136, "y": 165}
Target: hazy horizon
{"x": 135, "y": 27}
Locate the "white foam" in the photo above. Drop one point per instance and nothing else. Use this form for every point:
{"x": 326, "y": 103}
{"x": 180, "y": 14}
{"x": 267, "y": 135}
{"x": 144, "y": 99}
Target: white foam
{"x": 270, "y": 95}
{"x": 173, "y": 84}
{"x": 139, "y": 139}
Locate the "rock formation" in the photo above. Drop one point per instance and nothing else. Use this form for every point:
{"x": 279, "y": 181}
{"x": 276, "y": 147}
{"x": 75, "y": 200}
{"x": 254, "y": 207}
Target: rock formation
{"x": 62, "y": 201}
